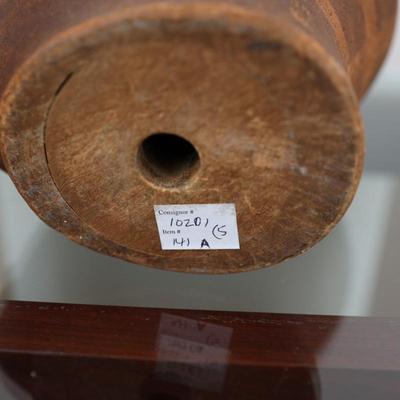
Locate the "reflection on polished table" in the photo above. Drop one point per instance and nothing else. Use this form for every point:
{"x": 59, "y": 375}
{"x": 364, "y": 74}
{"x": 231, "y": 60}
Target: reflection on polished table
{"x": 64, "y": 351}
{"x": 254, "y": 342}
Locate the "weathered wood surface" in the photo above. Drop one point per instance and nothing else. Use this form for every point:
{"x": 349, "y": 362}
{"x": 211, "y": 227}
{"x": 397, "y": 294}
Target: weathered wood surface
{"x": 266, "y": 92}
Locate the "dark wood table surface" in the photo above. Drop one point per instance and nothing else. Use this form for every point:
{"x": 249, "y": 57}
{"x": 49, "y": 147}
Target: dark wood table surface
{"x": 65, "y": 351}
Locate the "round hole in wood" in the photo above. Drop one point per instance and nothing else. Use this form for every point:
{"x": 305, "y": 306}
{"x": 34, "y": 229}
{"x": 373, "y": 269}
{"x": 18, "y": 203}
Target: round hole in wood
{"x": 272, "y": 115}
{"x": 167, "y": 159}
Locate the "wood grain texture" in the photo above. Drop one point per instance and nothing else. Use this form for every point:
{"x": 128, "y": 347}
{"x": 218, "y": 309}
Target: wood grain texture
{"x": 266, "y": 91}
{"x": 49, "y": 348}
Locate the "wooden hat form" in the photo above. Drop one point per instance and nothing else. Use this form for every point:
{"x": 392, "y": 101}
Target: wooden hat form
{"x": 260, "y": 100}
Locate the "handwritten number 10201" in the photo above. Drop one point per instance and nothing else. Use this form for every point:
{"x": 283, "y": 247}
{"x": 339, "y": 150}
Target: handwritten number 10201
{"x": 188, "y": 222}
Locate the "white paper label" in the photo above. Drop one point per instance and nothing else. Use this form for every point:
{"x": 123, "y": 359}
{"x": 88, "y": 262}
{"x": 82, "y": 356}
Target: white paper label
{"x": 197, "y": 226}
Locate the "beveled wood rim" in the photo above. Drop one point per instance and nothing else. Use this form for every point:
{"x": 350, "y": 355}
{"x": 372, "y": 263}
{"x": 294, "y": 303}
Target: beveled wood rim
{"x": 29, "y": 174}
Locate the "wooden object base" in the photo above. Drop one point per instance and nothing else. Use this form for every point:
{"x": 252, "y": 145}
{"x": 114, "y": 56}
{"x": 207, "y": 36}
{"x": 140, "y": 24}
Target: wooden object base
{"x": 246, "y": 108}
